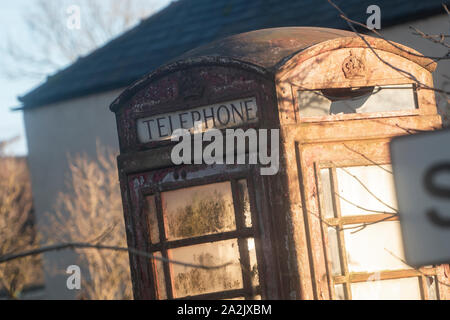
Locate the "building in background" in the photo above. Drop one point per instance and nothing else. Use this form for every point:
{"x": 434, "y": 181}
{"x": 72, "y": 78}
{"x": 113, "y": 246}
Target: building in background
{"x": 69, "y": 113}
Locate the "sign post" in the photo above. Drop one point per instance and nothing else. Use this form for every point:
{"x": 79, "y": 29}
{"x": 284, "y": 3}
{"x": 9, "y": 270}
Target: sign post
{"x": 421, "y": 165}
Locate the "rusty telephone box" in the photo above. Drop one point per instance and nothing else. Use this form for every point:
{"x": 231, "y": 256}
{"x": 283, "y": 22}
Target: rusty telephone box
{"x": 315, "y": 230}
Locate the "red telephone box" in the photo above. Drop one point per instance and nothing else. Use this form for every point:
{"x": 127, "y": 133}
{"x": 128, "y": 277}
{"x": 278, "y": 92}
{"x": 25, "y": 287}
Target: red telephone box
{"x": 336, "y": 106}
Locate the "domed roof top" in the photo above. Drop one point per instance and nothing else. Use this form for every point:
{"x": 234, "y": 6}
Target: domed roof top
{"x": 274, "y": 51}
{"x": 267, "y": 47}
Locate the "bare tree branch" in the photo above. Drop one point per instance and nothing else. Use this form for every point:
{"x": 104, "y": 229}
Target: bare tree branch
{"x": 54, "y": 45}
{"x": 405, "y": 73}
{"x": 418, "y": 270}
{"x": 368, "y": 159}
{"x": 80, "y": 245}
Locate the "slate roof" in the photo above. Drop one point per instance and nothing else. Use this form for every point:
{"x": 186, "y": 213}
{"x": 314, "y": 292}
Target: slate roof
{"x": 186, "y": 24}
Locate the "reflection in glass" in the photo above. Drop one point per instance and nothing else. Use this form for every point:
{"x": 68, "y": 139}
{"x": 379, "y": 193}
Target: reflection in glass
{"x": 432, "y": 288}
{"x": 327, "y": 193}
{"x": 339, "y": 292}
{"x": 245, "y": 202}
{"x": 356, "y": 100}
{"x": 189, "y": 281}
{"x": 197, "y": 211}
{"x": 253, "y": 262}
{"x": 152, "y": 220}
{"x": 377, "y": 247}
{"x": 333, "y": 244}
{"x": 396, "y": 289}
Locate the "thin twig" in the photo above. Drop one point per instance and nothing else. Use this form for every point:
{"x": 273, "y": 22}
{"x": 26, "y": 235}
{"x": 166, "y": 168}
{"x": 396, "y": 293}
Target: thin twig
{"x": 418, "y": 270}
{"x": 362, "y": 226}
{"x": 367, "y": 158}
{"x": 80, "y": 245}
{"x": 395, "y": 45}
{"x": 432, "y": 38}
{"x": 362, "y": 208}
{"x": 405, "y": 73}
{"x": 367, "y": 189}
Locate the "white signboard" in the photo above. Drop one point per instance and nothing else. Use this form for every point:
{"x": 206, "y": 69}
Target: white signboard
{"x": 421, "y": 165}
{"x": 218, "y": 116}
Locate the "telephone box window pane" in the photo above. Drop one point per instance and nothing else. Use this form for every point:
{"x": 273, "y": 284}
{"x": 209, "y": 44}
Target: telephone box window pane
{"x": 356, "y": 100}
{"x": 245, "y": 202}
{"x": 152, "y": 220}
{"x": 197, "y": 211}
{"x": 339, "y": 292}
{"x": 374, "y": 248}
{"x": 189, "y": 281}
{"x": 253, "y": 262}
{"x": 396, "y": 289}
{"x": 160, "y": 281}
{"x": 432, "y": 288}
{"x": 327, "y": 193}
{"x": 366, "y": 190}
{"x": 333, "y": 244}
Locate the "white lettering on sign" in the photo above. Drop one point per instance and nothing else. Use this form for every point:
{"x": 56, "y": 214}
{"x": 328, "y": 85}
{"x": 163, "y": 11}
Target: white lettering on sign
{"x": 222, "y": 115}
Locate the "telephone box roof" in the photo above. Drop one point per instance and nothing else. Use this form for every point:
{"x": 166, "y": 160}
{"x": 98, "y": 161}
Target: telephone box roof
{"x": 267, "y": 47}
{"x": 269, "y": 51}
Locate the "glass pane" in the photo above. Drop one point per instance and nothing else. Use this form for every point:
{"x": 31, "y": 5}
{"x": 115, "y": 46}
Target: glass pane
{"x": 366, "y": 190}
{"x": 396, "y": 289}
{"x": 375, "y": 248}
{"x": 198, "y": 211}
{"x": 339, "y": 292}
{"x": 253, "y": 262}
{"x": 160, "y": 281}
{"x": 245, "y": 201}
{"x": 152, "y": 220}
{"x": 327, "y": 193}
{"x": 333, "y": 244}
{"x": 380, "y": 99}
{"x": 189, "y": 281}
{"x": 313, "y": 104}
{"x": 432, "y": 288}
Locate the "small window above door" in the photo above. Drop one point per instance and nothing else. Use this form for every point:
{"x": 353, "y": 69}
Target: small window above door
{"x": 362, "y": 100}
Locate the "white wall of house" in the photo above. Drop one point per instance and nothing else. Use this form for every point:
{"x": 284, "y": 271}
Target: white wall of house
{"x": 57, "y": 131}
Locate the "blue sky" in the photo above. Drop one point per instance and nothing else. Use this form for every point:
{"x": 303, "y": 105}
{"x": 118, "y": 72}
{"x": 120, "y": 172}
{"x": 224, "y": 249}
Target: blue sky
{"x": 12, "y": 24}
{"x": 11, "y": 123}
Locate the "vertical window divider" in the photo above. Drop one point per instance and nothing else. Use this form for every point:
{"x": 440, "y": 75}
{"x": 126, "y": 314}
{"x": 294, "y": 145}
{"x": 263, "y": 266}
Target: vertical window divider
{"x": 244, "y": 256}
{"x": 342, "y": 249}
{"x": 424, "y": 287}
{"x": 145, "y": 211}
{"x": 163, "y": 240}
{"x": 257, "y": 229}
{"x": 324, "y": 230}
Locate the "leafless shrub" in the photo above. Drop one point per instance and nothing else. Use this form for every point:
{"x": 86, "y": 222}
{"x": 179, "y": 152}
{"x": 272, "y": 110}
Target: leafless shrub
{"x": 17, "y": 231}
{"x": 90, "y": 210}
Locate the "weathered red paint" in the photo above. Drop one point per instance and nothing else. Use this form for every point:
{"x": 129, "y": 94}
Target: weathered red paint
{"x": 271, "y": 65}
